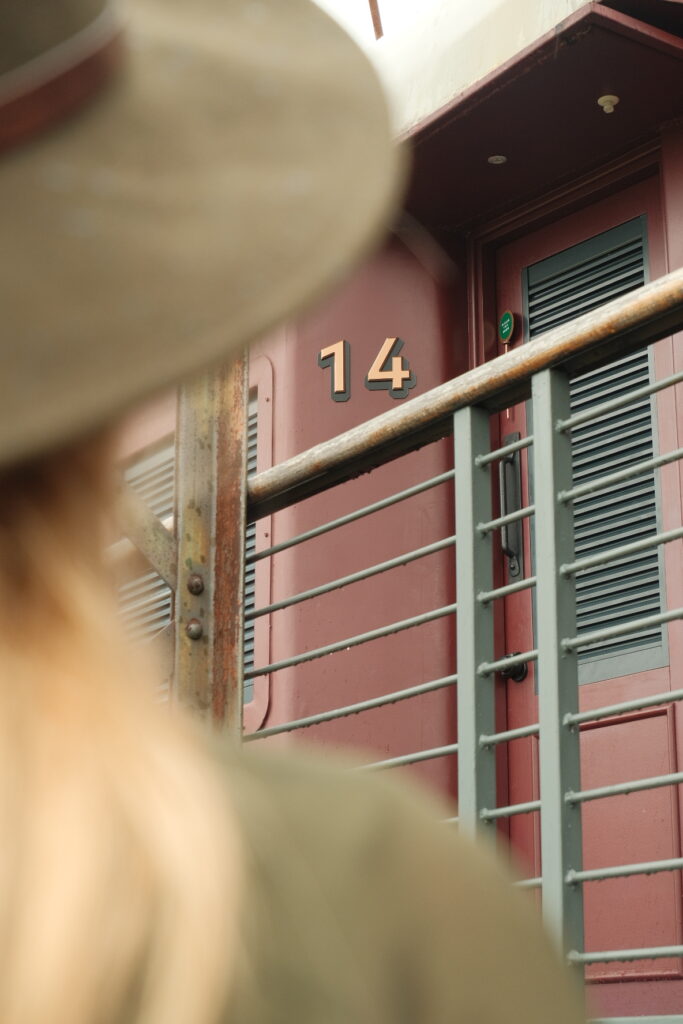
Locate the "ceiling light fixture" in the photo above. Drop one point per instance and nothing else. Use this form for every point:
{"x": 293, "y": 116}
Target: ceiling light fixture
{"x": 608, "y": 103}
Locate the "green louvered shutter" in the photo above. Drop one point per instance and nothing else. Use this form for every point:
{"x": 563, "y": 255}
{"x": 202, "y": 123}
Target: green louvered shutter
{"x": 557, "y": 290}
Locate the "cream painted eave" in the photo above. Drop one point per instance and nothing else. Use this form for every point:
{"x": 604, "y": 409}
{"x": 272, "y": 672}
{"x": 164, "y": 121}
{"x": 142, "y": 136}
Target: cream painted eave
{"x": 455, "y": 44}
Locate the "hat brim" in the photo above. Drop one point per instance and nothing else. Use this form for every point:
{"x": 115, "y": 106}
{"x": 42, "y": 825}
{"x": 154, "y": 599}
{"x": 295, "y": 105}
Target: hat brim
{"x": 233, "y": 171}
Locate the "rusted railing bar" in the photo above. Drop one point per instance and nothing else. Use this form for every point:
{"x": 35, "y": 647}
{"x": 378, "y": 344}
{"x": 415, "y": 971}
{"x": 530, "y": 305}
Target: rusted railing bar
{"x": 669, "y": 696}
{"x": 651, "y": 867}
{"x": 647, "y": 1019}
{"x": 624, "y": 955}
{"x": 355, "y": 577}
{"x": 596, "y": 411}
{"x": 353, "y": 709}
{"x": 511, "y": 517}
{"x": 509, "y": 734}
{"x": 511, "y": 588}
{"x": 623, "y": 551}
{"x": 622, "y": 788}
{"x": 491, "y": 814}
{"x": 352, "y": 641}
{"x": 507, "y": 449}
{"x": 603, "y": 482}
{"x": 487, "y": 668}
{"x": 403, "y": 759}
{"x": 529, "y": 883}
{"x": 351, "y": 517}
{"x": 625, "y": 629}
{"x": 628, "y": 322}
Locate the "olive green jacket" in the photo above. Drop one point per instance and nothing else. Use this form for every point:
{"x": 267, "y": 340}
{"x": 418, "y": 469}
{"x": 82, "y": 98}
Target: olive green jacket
{"x": 360, "y": 907}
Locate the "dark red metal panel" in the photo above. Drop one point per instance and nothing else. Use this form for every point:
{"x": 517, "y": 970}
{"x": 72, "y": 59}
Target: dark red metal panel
{"x": 400, "y": 293}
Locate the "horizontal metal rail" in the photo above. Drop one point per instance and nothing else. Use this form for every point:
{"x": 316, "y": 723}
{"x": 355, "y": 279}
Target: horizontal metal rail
{"x": 352, "y": 517}
{"x": 355, "y": 577}
{"x": 596, "y": 411}
{"x": 403, "y": 759}
{"x": 624, "y": 955}
{"x": 656, "y": 1019}
{"x": 509, "y": 734}
{"x": 650, "y": 867}
{"x": 625, "y": 629}
{"x": 500, "y": 453}
{"x": 511, "y": 517}
{"x": 623, "y": 551}
{"x": 511, "y": 588}
{"x": 676, "y": 1019}
{"x": 622, "y": 325}
{"x": 669, "y": 696}
{"x": 602, "y": 482}
{"x": 529, "y": 883}
{"x": 492, "y": 813}
{"x": 624, "y": 788}
{"x": 353, "y": 641}
{"x": 487, "y": 668}
{"x": 354, "y": 709}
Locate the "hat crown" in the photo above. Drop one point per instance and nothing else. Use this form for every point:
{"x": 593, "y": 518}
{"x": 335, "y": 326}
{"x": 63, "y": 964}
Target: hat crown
{"x": 33, "y": 28}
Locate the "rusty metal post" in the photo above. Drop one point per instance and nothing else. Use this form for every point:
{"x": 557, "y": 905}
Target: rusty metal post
{"x": 210, "y": 523}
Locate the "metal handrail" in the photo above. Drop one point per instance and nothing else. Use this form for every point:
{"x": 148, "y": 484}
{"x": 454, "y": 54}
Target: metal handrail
{"x": 628, "y": 322}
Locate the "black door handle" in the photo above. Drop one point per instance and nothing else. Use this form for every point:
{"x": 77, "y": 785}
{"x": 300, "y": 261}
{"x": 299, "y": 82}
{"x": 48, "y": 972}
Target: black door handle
{"x": 510, "y": 487}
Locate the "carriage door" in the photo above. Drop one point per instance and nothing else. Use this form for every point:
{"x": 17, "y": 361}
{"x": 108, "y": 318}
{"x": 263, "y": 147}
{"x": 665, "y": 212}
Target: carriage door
{"x": 546, "y": 278}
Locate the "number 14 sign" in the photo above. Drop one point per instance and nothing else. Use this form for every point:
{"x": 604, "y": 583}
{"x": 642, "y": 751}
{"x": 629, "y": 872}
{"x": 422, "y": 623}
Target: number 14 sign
{"x": 390, "y": 370}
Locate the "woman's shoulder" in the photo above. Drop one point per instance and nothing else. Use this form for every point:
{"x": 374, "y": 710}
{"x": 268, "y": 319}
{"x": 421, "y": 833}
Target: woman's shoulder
{"x": 361, "y": 903}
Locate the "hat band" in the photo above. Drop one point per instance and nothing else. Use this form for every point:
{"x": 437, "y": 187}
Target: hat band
{"x": 56, "y": 84}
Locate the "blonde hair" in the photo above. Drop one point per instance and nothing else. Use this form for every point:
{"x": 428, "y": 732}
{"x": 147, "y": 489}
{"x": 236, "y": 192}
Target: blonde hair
{"x": 119, "y": 865}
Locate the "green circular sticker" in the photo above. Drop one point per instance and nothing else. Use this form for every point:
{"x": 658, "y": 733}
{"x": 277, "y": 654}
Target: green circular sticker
{"x": 506, "y": 326}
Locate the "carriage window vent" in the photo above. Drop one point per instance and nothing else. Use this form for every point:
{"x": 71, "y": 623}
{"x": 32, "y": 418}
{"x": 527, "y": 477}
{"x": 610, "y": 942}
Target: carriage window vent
{"x": 250, "y": 547}
{"x": 145, "y": 602}
{"x": 559, "y": 289}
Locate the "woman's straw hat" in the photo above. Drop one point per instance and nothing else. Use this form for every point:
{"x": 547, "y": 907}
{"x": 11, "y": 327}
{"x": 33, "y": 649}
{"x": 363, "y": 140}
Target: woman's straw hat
{"x": 164, "y": 201}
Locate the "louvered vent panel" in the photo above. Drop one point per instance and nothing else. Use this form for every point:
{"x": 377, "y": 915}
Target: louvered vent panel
{"x": 145, "y": 603}
{"x": 560, "y": 289}
{"x": 153, "y": 478}
{"x": 250, "y": 547}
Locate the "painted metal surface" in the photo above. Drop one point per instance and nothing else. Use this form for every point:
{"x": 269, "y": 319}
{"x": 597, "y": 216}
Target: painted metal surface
{"x": 558, "y": 674}
{"x": 474, "y": 573}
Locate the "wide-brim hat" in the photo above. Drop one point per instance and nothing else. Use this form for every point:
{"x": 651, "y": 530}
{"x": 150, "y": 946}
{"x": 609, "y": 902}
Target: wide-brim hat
{"x": 231, "y": 168}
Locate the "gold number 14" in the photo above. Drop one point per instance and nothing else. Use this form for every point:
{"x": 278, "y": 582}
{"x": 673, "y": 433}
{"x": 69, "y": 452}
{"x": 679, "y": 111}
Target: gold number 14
{"x": 390, "y": 371}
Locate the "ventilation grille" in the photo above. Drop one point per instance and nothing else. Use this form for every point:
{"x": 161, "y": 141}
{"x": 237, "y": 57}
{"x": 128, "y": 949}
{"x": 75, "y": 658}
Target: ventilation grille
{"x": 561, "y": 288}
{"x": 145, "y": 603}
{"x": 153, "y": 478}
{"x": 250, "y": 548}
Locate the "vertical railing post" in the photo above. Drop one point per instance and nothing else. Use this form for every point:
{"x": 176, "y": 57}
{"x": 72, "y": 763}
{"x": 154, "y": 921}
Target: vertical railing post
{"x": 195, "y": 475}
{"x": 474, "y": 573}
{"x": 210, "y": 524}
{"x": 231, "y": 524}
{"x": 557, "y": 678}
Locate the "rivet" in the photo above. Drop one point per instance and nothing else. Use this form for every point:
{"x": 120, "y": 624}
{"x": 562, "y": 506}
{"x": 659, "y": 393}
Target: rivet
{"x": 195, "y": 583}
{"x": 194, "y": 629}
